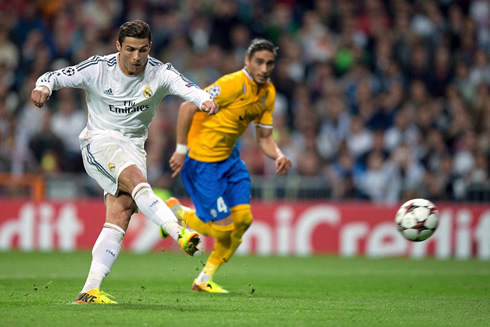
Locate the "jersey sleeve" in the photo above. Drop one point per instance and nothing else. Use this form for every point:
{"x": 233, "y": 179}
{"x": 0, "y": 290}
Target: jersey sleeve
{"x": 265, "y": 120}
{"x": 73, "y": 76}
{"x": 178, "y": 84}
{"x": 225, "y": 90}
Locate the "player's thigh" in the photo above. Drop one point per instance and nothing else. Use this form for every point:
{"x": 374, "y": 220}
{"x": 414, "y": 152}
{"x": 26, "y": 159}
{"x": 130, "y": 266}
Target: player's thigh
{"x": 238, "y": 186}
{"x": 104, "y": 158}
{"x": 206, "y": 184}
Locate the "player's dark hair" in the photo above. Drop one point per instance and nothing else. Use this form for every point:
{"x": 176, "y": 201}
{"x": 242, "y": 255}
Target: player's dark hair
{"x": 135, "y": 28}
{"x": 260, "y": 45}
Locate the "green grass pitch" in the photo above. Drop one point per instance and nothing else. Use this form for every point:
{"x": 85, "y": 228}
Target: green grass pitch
{"x": 36, "y": 289}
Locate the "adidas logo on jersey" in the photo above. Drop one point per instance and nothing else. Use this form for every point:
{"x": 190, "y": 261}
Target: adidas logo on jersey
{"x": 108, "y": 92}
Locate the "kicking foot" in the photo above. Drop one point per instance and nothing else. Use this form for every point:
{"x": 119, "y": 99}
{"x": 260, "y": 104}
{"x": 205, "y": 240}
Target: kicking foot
{"x": 189, "y": 241}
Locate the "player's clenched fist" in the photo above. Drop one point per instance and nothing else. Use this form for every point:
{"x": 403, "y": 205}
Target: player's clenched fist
{"x": 40, "y": 95}
{"x": 210, "y": 106}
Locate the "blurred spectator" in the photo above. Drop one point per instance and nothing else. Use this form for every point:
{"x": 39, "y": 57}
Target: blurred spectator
{"x": 9, "y": 54}
{"x": 360, "y": 139}
{"x": 67, "y": 123}
{"x": 408, "y": 172}
{"x": 404, "y": 131}
{"x": 47, "y": 148}
{"x": 378, "y": 183}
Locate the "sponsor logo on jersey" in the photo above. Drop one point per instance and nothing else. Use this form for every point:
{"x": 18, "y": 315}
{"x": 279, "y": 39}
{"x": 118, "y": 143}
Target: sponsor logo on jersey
{"x": 215, "y": 91}
{"x": 111, "y": 166}
{"x": 108, "y": 91}
{"x": 247, "y": 117}
{"x": 147, "y": 92}
{"x": 129, "y": 107}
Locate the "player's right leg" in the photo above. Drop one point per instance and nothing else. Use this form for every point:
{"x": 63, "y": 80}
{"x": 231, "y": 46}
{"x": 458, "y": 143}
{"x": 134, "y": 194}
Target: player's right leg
{"x": 107, "y": 247}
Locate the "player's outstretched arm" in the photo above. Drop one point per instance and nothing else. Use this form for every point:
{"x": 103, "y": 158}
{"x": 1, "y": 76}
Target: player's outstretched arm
{"x": 40, "y": 95}
{"x": 184, "y": 121}
{"x": 270, "y": 149}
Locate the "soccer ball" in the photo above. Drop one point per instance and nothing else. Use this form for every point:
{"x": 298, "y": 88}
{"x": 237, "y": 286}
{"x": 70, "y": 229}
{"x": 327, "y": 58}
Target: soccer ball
{"x": 417, "y": 219}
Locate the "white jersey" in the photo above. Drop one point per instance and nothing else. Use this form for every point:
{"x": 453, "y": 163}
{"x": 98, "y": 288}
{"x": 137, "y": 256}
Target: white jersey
{"x": 121, "y": 103}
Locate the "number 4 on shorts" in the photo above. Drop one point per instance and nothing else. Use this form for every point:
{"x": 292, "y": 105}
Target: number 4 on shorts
{"x": 222, "y": 205}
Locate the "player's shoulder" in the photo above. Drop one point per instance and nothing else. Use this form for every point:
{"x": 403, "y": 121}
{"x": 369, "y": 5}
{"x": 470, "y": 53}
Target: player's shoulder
{"x": 161, "y": 69}
{"x": 155, "y": 63}
{"x": 95, "y": 61}
{"x": 230, "y": 81}
{"x": 237, "y": 76}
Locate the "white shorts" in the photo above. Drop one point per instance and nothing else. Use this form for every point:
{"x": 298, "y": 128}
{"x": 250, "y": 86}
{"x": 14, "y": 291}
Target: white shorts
{"x": 106, "y": 155}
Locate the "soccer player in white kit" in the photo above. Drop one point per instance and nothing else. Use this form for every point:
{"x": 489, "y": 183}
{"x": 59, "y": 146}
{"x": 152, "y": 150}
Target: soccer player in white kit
{"x": 123, "y": 91}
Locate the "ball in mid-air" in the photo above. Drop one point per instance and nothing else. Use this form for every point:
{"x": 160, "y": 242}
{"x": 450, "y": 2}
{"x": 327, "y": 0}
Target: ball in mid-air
{"x": 417, "y": 219}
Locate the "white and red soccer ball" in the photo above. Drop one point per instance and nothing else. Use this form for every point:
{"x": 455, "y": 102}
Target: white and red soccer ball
{"x": 417, "y": 219}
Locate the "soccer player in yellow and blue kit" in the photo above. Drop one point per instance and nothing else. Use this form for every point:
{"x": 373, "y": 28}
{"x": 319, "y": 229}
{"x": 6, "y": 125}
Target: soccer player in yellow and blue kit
{"x": 206, "y": 155}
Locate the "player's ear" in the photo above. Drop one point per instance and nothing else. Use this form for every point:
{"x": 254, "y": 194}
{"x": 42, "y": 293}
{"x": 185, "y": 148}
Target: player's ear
{"x": 149, "y": 48}
{"x": 247, "y": 61}
{"x": 118, "y": 46}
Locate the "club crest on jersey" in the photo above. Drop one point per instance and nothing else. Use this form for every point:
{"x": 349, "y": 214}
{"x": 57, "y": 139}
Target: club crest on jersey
{"x": 147, "y": 92}
{"x": 215, "y": 91}
{"x": 111, "y": 166}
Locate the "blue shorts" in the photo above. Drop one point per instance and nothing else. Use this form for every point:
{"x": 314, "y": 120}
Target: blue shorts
{"x": 215, "y": 187}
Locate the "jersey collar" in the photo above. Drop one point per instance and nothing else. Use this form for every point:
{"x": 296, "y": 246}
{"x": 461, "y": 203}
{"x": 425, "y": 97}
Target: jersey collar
{"x": 248, "y": 74}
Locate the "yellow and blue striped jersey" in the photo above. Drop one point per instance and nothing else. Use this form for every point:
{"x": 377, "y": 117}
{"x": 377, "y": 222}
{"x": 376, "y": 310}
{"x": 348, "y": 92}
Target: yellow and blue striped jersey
{"x": 241, "y": 100}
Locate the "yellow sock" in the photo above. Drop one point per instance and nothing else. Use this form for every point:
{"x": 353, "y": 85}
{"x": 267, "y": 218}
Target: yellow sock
{"x": 216, "y": 258}
{"x": 242, "y": 219}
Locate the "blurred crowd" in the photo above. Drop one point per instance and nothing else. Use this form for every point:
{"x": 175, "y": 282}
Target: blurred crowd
{"x": 382, "y": 100}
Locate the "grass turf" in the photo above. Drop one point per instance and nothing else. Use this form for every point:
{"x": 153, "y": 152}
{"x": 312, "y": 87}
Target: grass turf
{"x": 36, "y": 289}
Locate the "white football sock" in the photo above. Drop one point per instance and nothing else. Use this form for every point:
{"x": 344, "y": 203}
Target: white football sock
{"x": 156, "y": 210}
{"x": 202, "y": 278}
{"x": 104, "y": 254}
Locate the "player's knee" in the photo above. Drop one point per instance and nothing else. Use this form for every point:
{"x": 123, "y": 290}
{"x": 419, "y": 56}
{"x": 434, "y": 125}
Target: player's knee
{"x": 242, "y": 218}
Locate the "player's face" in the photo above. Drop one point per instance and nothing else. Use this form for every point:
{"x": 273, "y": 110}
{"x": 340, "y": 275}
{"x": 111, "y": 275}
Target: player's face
{"x": 260, "y": 65}
{"x": 133, "y": 54}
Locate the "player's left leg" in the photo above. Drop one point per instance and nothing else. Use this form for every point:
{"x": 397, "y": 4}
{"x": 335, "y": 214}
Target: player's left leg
{"x": 242, "y": 219}
{"x": 155, "y": 209}
{"x": 107, "y": 247}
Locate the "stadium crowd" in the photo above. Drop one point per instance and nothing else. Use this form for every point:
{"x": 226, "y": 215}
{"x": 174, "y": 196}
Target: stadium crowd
{"x": 382, "y": 100}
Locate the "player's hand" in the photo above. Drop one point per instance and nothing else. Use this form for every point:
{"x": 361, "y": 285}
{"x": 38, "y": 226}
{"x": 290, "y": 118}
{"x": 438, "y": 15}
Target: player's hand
{"x": 210, "y": 106}
{"x": 176, "y": 163}
{"x": 40, "y": 95}
{"x": 283, "y": 164}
